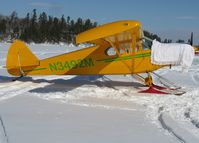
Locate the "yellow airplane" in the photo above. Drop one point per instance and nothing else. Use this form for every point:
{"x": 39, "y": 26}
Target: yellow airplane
{"x": 118, "y": 48}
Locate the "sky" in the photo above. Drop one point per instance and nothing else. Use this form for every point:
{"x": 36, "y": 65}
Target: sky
{"x": 172, "y": 19}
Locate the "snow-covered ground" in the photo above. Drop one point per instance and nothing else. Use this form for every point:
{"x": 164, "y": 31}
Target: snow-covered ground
{"x": 85, "y": 109}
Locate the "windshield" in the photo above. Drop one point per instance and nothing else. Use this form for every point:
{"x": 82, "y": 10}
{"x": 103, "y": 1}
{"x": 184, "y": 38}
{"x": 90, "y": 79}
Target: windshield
{"x": 146, "y": 43}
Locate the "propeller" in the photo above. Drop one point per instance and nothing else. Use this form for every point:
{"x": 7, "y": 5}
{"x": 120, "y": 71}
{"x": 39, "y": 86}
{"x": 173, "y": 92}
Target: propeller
{"x": 191, "y": 40}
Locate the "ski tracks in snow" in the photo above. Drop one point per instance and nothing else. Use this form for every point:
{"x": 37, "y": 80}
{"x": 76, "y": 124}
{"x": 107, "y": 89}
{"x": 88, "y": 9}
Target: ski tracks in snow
{"x": 167, "y": 127}
{"x": 169, "y": 111}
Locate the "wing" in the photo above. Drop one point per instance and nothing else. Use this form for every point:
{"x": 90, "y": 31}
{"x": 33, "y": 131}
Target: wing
{"x": 115, "y": 33}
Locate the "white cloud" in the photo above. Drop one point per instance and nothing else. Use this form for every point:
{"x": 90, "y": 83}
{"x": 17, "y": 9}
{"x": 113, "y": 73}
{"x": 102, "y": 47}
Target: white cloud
{"x": 52, "y": 8}
{"x": 40, "y": 4}
{"x": 45, "y": 5}
{"x": 188, "y": 18}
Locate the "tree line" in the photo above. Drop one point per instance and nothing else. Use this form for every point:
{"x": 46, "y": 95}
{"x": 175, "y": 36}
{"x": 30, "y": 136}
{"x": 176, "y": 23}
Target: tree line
{"x": 41, "y": 27}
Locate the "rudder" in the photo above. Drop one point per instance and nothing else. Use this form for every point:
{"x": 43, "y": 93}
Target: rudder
{"x": 20, "y": 59}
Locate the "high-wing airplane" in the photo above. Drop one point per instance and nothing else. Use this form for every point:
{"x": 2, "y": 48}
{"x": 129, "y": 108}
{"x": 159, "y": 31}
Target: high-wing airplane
{"x": 118, "y": 48}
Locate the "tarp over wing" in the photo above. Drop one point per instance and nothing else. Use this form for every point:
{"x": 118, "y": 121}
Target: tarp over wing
{"x": 172, "y": 54}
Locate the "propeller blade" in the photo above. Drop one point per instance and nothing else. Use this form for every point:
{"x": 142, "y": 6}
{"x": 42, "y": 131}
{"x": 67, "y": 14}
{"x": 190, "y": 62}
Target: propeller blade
{"x": 191, "y": 40}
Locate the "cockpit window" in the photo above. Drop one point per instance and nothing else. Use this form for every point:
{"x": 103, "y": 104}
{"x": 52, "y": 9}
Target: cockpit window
{"x": 125, "y": 47}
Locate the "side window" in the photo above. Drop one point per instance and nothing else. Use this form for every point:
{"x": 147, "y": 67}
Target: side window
{"x": 110, "y": 51}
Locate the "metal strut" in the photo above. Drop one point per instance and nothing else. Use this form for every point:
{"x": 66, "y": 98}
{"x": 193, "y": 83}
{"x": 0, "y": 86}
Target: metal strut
{"x": 148, "y": 80}
{"x": 166, "y": 81}
{"x": 152, "y": 87}
{"x": 156, "y": 89}
{"x": 21, "y": 70}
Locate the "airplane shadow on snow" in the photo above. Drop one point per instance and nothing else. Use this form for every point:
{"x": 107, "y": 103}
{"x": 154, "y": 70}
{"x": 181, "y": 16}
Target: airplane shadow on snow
{"x": 65, "y": 85}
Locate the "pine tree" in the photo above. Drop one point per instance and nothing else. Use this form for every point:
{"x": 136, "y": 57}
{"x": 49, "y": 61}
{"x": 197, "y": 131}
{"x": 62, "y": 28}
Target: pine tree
{"x": 78, "y": 26}
{"x": 87, "y": 24}
{"x": 152, "y": 36}
{"x": 64, "y": 29}
{"x": 49, "y": 27}
{"x": 33, "y": 27}
{"x": 71, "y": 32}
{"x": 56, "y": 30}
{"x": 25, "y": 29}
{"x": 2, "y": 26}
{"x": 68, "y": 20}
{"x": 13, "y": 25}
{"x": 42, "y": 31}
{"x": 180, "y": 41}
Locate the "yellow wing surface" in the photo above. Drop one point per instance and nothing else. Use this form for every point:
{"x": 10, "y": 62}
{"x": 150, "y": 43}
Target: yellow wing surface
{"x": 122, "y": 37}
{"x": 107, "y": 30}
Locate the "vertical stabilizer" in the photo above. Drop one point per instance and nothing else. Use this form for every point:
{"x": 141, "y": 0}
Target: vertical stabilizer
{"x": 20, "y": 58}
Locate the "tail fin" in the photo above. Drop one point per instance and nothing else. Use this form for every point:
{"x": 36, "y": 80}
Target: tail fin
{"x": 20, "y": 58}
